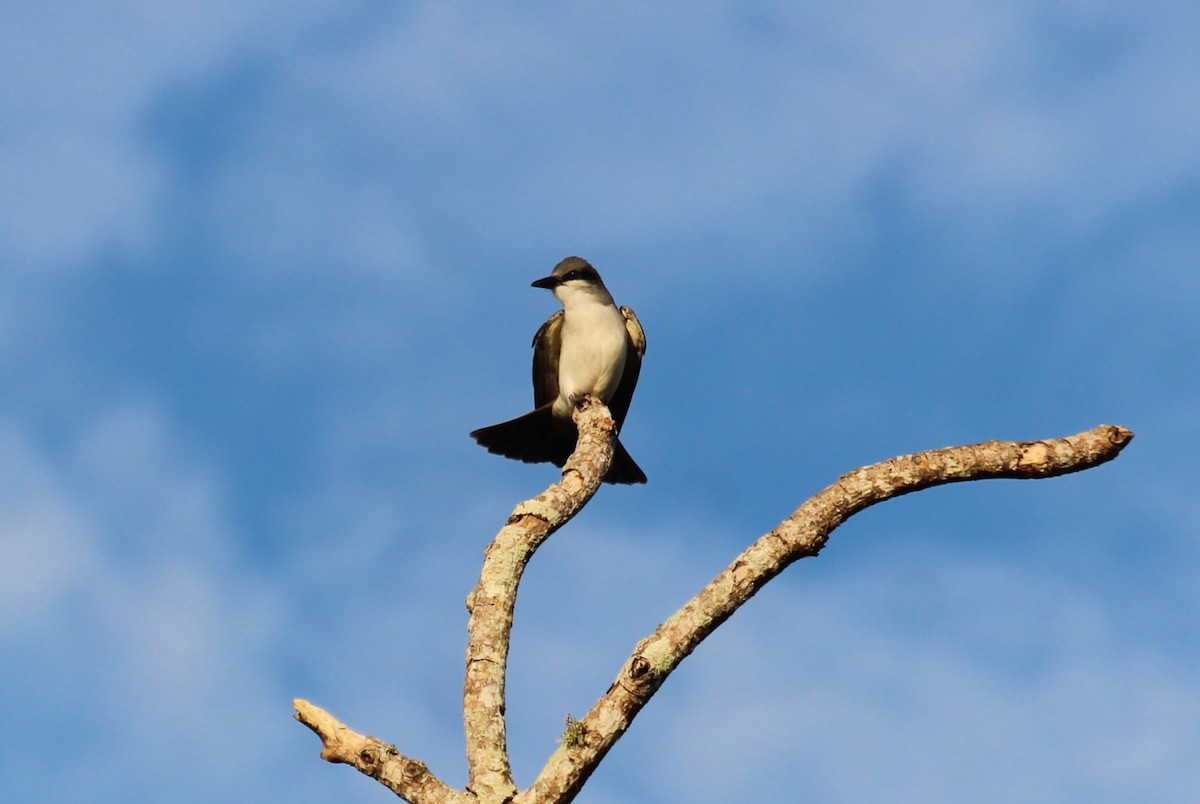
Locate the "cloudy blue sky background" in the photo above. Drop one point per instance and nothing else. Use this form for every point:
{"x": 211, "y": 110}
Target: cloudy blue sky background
{"x": 265, "y": 264}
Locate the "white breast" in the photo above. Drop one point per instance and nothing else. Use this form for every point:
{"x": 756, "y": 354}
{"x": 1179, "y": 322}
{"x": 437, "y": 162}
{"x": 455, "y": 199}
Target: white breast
{"x": 593, "y": 353}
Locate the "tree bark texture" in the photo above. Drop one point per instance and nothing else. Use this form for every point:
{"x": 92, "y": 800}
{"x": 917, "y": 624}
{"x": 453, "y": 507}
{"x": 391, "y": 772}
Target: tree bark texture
{"x": 492, "y": 602}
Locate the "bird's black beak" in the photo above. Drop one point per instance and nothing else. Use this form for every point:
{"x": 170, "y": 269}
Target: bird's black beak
{"x": 547, "y": 282}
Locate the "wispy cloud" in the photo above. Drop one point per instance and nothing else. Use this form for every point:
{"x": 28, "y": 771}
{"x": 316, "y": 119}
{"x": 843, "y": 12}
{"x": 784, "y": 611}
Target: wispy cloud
{"x": 266, "y": 265}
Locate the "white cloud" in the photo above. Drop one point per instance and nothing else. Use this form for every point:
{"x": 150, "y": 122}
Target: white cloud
{"x": 593, "y": 125}
{"x": 76, "y": 176}
{"x": 44, "y": 538}
{"x": 122, "y": 586}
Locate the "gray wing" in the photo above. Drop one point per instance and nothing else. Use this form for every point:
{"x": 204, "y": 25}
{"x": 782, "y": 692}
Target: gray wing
{"x": 619, "y": 404}
{"x": 546, "y": 345}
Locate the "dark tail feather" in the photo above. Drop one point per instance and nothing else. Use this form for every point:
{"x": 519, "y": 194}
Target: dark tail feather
{"x": 623, "y": 469}
{"x": 532, "y": 438}
{"x": 537, "y": 437}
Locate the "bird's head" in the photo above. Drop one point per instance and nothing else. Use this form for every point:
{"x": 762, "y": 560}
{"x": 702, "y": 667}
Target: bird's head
{"x": 574, "y": 280}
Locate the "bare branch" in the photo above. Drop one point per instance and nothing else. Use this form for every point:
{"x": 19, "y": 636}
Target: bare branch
{"x": 407, "y": 778}
{"x": 802, "y": 534}
{"x": 492, "y": 602}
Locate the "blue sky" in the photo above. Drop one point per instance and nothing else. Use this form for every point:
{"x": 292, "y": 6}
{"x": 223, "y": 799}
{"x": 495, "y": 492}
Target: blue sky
{"x": 266, "y": 264}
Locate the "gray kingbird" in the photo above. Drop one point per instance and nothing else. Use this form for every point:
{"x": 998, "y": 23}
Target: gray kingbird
{"x": 591, "y": 346}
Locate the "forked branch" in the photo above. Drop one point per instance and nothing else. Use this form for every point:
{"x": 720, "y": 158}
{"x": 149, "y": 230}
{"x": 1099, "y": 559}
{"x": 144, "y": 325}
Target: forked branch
{"x": 491, "y": 604}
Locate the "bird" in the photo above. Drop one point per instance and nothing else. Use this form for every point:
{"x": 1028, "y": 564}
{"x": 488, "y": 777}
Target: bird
{"x": 590, "y": 347}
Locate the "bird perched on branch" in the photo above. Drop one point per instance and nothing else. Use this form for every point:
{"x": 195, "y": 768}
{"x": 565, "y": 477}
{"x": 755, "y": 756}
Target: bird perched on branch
{"x": 590, "y": 347}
